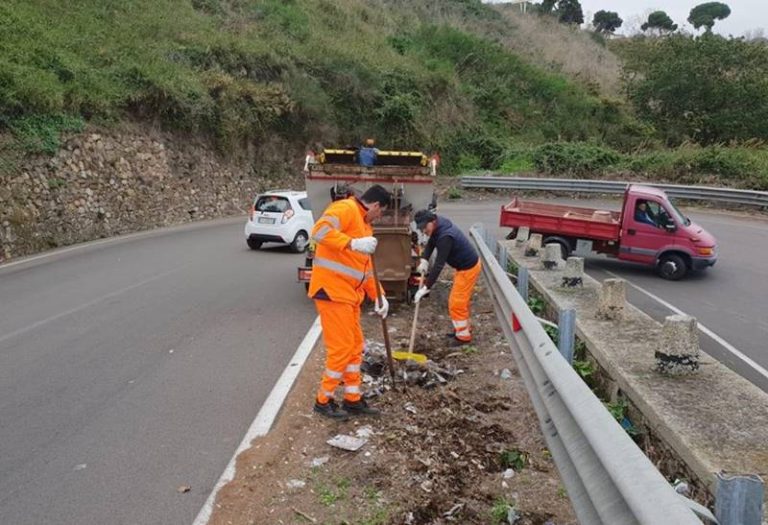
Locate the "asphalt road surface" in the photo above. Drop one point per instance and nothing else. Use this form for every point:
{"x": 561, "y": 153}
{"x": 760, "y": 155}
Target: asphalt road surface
{"x": 133, "y": 366}
{"x": 129, "y": 369}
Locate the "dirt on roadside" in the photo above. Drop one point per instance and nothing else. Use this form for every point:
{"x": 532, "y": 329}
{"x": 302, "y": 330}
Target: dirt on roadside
{"x": 468, "y": 450}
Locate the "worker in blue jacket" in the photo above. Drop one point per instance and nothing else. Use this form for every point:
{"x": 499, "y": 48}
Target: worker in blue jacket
{"x": 453, "y": 248}
{"x": 367, "y": 154}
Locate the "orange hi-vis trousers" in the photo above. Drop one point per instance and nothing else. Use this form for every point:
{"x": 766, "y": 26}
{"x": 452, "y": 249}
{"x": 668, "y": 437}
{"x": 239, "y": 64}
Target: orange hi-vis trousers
{"x": 458, "y": 302}
{"x": 343, "y": 340}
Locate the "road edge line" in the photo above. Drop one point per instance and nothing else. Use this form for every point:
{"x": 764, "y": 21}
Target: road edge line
{"x": 266, "y": 416}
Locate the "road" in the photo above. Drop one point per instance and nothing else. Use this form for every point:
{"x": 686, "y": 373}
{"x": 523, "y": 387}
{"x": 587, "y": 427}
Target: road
{"x": 131, "y": 367}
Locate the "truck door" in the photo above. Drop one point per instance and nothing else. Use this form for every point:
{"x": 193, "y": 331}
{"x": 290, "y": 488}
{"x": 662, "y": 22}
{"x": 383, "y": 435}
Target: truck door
{"x": 642, "y": 230}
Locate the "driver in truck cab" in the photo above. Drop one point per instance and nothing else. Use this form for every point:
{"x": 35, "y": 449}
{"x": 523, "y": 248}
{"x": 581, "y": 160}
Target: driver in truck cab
{"x": 643, "y": 214}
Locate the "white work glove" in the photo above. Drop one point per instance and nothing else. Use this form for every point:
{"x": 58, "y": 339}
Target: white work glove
{"x": 420, "y": 293}
{"x": 364, "y": 245}
{"x": 382, "y": 309}
{"x": 423, "y": 267}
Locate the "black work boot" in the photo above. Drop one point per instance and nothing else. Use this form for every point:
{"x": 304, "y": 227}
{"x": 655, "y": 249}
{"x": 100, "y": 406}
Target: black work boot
{"x": 330, "y": 410}
{"x": 359, "y": 408}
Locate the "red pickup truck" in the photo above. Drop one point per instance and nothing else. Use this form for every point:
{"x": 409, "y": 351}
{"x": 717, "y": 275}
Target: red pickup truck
{"x": 649, "y": 230}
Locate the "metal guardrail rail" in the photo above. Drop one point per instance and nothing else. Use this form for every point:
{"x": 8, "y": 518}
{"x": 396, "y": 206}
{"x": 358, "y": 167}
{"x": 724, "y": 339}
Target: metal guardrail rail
{"x": 700, "y": 193}
{"x": 608, "y": 478}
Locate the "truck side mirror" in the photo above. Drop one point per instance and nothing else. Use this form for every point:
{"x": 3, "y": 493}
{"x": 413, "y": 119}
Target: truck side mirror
{"x": 670, "y": 226}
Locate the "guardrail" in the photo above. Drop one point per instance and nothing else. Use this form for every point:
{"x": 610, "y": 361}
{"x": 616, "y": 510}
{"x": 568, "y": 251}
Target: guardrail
{"x": 699, "y": 193}
{"x": 608, "y": 478}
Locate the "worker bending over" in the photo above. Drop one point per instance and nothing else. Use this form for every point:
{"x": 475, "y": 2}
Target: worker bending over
{"x": 453, "y": 248}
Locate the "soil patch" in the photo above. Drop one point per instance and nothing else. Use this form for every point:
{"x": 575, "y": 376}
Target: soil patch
{"x": 468, "y": 450}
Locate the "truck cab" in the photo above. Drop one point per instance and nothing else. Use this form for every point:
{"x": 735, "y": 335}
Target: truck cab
{"x": 653, "y": 231}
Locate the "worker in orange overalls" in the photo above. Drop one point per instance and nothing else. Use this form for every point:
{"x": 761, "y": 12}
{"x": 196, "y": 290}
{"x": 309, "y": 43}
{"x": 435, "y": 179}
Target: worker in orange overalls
{"x": 341, "y": 278}
{"x": 453, "y": 248}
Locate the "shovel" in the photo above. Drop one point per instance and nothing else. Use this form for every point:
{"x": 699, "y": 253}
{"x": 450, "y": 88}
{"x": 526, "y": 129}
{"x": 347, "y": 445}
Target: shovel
{"x": 387, "y": 344}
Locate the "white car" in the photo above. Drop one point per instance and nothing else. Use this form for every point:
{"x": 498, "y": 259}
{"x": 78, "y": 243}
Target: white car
{"x": 280, "y": 216}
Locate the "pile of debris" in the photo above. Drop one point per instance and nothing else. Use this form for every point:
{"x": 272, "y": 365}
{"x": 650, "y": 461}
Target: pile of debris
{"x": 412, "y": 373}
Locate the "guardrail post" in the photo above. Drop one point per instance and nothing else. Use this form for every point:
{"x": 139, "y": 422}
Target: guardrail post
{"x": 522, "y": 282}
{"x": 739, "y": 499}
{"x": 566, "y": 333}
{"x": 503, "y": 257}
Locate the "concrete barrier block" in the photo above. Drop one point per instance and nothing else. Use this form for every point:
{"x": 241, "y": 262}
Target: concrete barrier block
{"x": 613, "y": 298}
{"x": 678, "y": 352}
{"x": 533, "y": 245}
{"x": 522, "y": 235}
{"x": 574, "y": 272}
{"x": 551, "y": 256}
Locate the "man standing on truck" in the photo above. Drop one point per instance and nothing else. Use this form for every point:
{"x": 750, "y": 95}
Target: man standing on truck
{"x": 341, "y": 278}
{"x": 453, "y": 248}
{"x": 367, "y": 154}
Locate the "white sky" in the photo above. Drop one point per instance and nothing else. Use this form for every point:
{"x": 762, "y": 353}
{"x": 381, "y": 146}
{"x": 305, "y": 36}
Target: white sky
{"x": 746, "y": 15}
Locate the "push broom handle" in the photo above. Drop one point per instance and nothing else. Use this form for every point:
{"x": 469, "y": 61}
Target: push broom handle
{"x": 387, "y": 344}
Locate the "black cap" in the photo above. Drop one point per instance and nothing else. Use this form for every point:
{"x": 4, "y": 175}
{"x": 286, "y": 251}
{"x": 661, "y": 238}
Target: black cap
{"x": 423, "y": 217}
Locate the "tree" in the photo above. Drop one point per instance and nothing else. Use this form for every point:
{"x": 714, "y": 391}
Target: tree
{"x": 569, "y": 12}
{"x": 704, "y": 15}
{"x": 607, "y": 21}
{"x": 660, "y": 21}
{"x": 708, "y": 90}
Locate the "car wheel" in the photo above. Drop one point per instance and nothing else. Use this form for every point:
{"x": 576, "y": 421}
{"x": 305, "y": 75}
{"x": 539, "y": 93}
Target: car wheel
{"x": 300, "y": 242}
{"x": 672, "y": 267}
{"x": 253, "y": 245}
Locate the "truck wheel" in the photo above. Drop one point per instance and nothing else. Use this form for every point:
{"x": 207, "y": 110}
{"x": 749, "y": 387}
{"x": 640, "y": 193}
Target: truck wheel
{"x": 253, "y": 245}
{"x": 672, "y": 267}
{"x": 300, "y": 242}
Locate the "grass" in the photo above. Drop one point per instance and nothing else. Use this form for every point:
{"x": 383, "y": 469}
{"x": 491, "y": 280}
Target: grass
{"x": 500, "y": 510}
{"x": 239, "y": 72}
{"x": 514, "y": 459}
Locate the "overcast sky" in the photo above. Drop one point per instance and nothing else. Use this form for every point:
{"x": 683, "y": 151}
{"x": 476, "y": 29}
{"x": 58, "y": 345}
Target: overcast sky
{"x": 746, "y": 15}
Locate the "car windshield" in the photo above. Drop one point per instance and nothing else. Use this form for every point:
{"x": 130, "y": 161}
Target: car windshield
{"x": 272, "y": 203}
{"x": 682, "y": 219}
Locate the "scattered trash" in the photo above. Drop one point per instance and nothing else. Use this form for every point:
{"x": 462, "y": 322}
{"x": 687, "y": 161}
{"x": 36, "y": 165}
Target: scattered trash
{"x": 508, "y": 474}
{"x": 426, "y": 486}
{"x": 183, "y": 489}
{"x": 513, "y": 516}
{"x": 345, "y": 442}
{"x": 364, "y": 432}
{"x": 506, "y": 374}
{"x": 456, "y": 508}
{"x": 81, "y": 466}
{"x": 681, "y": 487}
{"x": 296, "y": 484}
{"x": 318, "y": 462}
{"x": 409, "y": 407}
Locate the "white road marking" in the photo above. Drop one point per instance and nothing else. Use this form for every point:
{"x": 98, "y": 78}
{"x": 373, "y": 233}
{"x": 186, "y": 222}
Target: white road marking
{"x": 266, "y": 415}
{"x": 725, "y": 344}
{"x": 71, "y": 311}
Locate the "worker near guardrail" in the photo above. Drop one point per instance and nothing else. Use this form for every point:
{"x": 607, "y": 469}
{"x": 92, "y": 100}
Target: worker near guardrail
{"x": 453, "y": 248}
{"x": 341, "y": 278}
{"x": 367, "y": 154}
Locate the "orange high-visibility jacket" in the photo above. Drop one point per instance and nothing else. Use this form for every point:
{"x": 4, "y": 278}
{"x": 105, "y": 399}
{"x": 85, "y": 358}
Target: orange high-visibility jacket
{"x": 339, "y": 273}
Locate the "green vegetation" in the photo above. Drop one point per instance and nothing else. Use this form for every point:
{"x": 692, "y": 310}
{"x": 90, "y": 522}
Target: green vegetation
{"x": 240, "y": 71}
{"x": 458, "y": 78}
